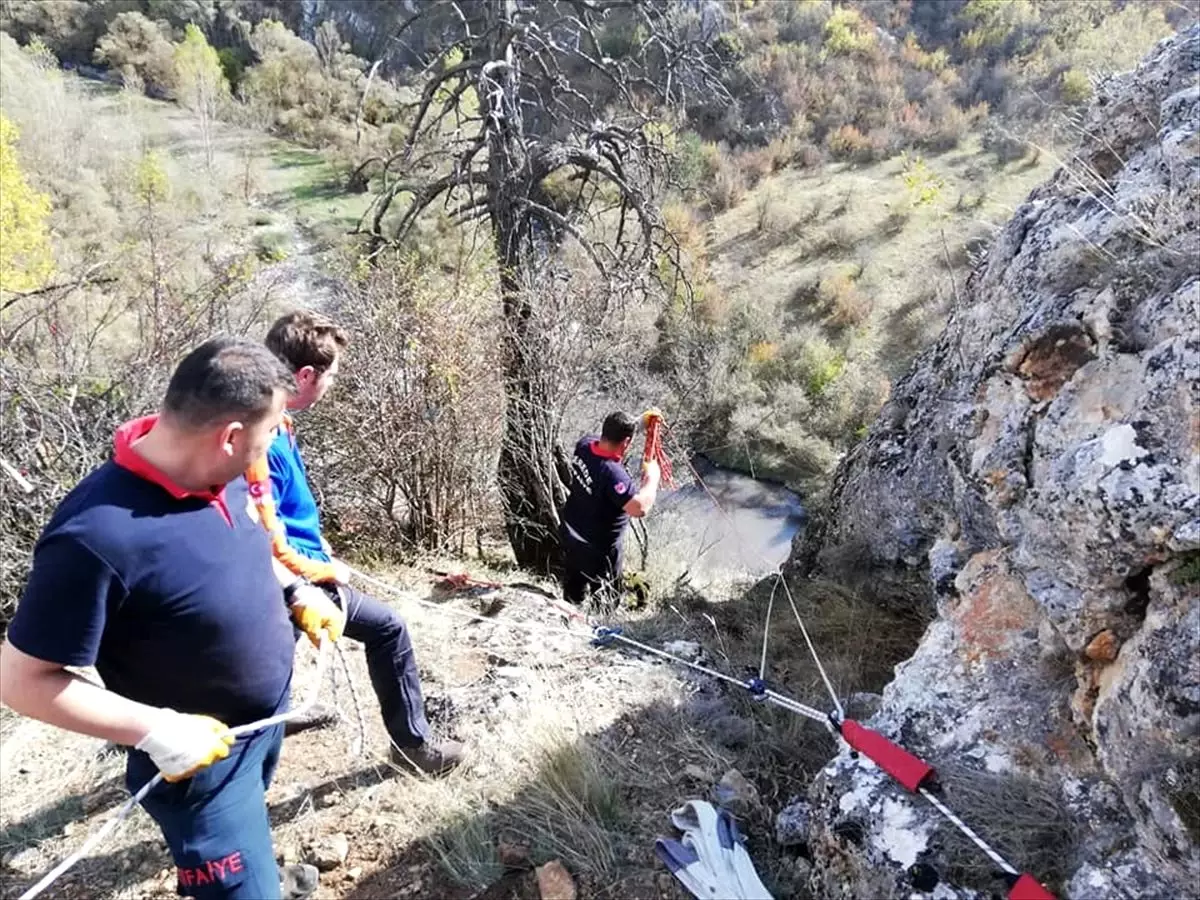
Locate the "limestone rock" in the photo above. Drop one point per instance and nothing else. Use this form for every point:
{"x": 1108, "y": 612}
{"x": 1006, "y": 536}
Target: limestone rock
{"x": 1044, "y": 489}
{"x": 792, "y": 823}
{"x": 329, "y": 852}
{"x": 736, "y": 794}
{"x": 555, "y": 882}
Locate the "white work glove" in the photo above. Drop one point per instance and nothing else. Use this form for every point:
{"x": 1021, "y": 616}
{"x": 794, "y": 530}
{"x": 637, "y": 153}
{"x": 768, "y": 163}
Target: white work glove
{"x": 341, "y": 571}
{"x": 181, "y": 744}
{"x": 316, "y": 614}
{"x": 651, "y": 471}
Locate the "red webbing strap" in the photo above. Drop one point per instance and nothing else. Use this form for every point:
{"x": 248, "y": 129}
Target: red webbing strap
{"x": 1029, "y": 888}
{"x": 654, "y": 449}
{"x": 896, "y": 761}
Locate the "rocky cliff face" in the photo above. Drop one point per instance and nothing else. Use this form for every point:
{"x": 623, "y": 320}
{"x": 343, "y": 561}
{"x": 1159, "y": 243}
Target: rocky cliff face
{"x": 1041, "y": 463}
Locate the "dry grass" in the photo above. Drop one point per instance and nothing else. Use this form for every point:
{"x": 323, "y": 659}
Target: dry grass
{"x": 1022, "y": 818}
{"x": 868, "y": 210}
{"x": 578, "y": 754}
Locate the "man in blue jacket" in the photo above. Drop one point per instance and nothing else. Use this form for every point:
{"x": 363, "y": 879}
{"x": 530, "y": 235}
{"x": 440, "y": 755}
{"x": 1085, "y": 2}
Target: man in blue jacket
{"x": 155, "y": 570}
{"x": 311, "y": 345}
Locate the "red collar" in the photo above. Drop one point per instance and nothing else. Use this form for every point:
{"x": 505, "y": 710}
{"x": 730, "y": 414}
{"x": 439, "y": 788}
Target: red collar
{"x": 126, "y": 456}
{"x": 615, "y": 455}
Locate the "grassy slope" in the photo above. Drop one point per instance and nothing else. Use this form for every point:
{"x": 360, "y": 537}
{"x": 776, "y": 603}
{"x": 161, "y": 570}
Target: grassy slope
{"x": 841, "y": 217}
{"x": 274, "y": 185}
{"x": 770, "y": 253}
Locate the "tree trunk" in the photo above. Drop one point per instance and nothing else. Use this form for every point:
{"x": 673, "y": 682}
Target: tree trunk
{"x": 526, "y": 471}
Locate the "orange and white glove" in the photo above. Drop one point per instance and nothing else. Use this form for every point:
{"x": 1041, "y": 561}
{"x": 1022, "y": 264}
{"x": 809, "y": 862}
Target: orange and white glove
{"x": 316, "y": 614}
{"x": 181, "y": 744}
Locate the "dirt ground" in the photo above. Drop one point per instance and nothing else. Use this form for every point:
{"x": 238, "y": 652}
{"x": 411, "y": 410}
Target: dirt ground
{"x": 576, "y": 753}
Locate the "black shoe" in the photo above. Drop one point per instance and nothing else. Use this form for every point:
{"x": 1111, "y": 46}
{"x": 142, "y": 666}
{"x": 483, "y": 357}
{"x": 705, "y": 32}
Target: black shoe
{"x": 429, "y": 758}
{"x": 319, "y": 716}
{"x": 296, "y": 882}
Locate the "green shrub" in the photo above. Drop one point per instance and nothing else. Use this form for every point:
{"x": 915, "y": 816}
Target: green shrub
{"x": 1075, "y": 87}
{"x": 846, "y": 32}
{"x": 272, "y": 246}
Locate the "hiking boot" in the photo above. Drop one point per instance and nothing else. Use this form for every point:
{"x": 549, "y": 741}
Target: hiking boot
{"x": 297, "y": 882}
{"x": 319, "y": 716}
{"x": 429, "y": 758}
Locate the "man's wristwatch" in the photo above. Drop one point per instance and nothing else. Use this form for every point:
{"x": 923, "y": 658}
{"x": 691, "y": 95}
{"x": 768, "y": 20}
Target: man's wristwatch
{"x": 289, "y": 592}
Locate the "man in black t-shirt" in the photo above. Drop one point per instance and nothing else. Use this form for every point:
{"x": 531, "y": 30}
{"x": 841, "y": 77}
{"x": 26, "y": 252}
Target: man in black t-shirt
{"x": 155, "y": 570}
{"x": 601, "y": 501}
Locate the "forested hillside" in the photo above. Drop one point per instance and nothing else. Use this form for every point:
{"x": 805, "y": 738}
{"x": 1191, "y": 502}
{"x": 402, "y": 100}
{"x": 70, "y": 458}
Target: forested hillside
{"x": 752, "y": 214}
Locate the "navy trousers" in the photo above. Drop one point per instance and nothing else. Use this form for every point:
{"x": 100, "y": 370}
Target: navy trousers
{"x": 588, "y": 569}
{"x": 391, "y": 664}
{"x": 216, "y": 821}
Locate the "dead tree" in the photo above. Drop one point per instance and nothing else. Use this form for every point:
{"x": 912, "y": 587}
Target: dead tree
{"x": 520, "y": 100}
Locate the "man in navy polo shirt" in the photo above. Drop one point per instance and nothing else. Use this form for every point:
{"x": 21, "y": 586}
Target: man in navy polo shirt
{"x": 601, "y": 501}
{"x": 155, "y": 569}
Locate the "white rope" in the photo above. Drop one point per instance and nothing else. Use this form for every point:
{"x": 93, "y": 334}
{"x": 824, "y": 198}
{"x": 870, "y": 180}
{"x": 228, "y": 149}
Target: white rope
{"x": 762, "y": 666}
{"x": 776, "y": 698}
{"x": 123, "y": 813}
{"x": 737, "y": 535}
{"x": 769, "y": 695}
{"x": 360, "y": 738}
{"x": 813, "y": 650}
{"x": 966, "y": 829}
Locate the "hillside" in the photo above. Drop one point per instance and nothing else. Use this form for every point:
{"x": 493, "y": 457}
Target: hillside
{"x": 927, "y": 262}
{"x": 849, "y": 270}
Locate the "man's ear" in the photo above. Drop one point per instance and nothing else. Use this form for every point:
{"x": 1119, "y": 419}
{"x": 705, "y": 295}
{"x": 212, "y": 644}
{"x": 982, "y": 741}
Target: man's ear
{"x": 229, "y": 434}
{"x": 306, "y": 374}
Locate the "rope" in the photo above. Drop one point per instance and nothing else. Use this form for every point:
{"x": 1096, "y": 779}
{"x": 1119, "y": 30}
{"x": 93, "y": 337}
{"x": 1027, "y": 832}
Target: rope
{"x": 966, "y": 829}
{"x": 762, "y": 666}
{"x": 652, "y": 447}
{"x": 123, "y": 813}
{"x": 778, "y": 699}
{"x": 778, "y": 574}
{"x": 837, "y": 704}
{"x": 755, "y": 686}
{"x": 356, "y": 745}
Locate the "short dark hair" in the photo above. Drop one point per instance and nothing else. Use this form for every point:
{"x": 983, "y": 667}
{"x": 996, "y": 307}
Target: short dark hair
{"x": 305, "y": 338}
{"x": 225, "y": 379}
{"x": 618, "y": 426}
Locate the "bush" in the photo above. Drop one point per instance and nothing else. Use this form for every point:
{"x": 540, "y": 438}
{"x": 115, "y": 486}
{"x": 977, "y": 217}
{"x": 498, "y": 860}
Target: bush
{"x": 847, "y": 32}
{"x": 728, "y": 184}
{"x": 272, "y": 246}
{"x": 809, "y": 156}
{"x": 754, "y": 166}
{"x": 420, "y": 384}
{"x": 1007, "y": 146}
{"x": 141, "y": 51}
{"x": 846, "y": 304}
{"x": 691, "y": 161}
{"x": 1075, "y": 87}
{"x": 848, "y": 143}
